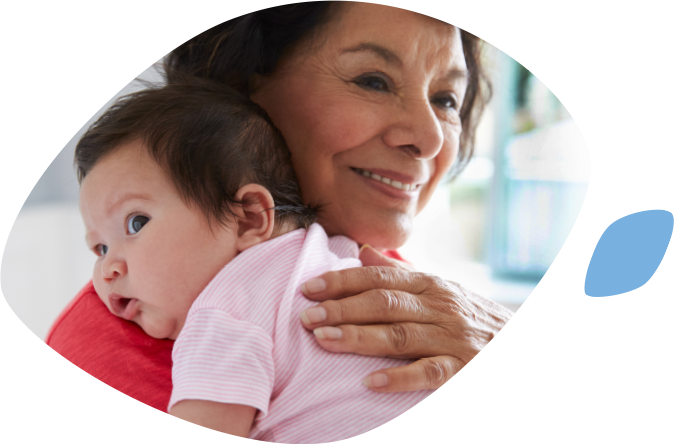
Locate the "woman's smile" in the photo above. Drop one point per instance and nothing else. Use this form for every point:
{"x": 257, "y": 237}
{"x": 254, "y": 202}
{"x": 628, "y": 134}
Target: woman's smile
{"x": 380, "y": 118}
{"x": 389, "y": 183}
{"x": 396, "y": 180}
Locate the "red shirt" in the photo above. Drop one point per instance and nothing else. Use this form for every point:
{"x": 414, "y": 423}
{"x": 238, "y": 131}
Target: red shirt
{"x": 116, "y": 351}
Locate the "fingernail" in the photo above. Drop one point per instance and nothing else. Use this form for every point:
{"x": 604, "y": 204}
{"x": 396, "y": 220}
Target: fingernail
{"x": 313, "y": 315}
{"x": 313, "y": 286}
{"x": 329, "y": 333}
{"x": 365, "y": 246}
{"x": 376, "y": 381}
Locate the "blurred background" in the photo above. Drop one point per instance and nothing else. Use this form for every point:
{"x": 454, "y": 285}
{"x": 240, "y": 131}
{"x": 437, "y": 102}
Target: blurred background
{"x": 495, "y": 229}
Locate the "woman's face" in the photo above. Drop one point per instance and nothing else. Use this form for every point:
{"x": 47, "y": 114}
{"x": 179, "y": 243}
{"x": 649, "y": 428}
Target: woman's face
{"x": 370, "y": 112}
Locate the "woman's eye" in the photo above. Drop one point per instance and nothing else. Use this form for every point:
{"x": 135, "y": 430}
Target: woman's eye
{"x": 100, "y": 249}
{"x": 136, "y": 223}
{"x": 447, "y": 102}
{"x": 373, "y": 82}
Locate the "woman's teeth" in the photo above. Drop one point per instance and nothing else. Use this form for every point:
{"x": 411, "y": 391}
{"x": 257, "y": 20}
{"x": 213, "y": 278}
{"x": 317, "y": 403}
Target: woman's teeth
{"x": 386, "y": 180}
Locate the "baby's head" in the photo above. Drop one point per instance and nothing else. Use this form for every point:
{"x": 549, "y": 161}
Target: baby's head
{"x": 175, "y": 182}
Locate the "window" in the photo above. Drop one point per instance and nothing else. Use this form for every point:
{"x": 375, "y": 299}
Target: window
{"x": 498, "y": 227}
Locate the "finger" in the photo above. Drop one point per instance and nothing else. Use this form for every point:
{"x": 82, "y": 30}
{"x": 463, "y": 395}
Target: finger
{"x": 352, "y": 281}
{"x": 424, "y": 374}
{"x": 405, "y": 340}
{"x": 368, "y": 308}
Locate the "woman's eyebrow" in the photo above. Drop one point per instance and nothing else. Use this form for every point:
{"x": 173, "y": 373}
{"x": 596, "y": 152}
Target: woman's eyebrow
{"x": 388, "y": 56}
{"x": 456, "y": 74}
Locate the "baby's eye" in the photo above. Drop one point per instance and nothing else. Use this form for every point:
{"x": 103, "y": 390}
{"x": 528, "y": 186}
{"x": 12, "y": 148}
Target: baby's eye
{"x": 100, "y": 249}
{"x": 136, "y": 223}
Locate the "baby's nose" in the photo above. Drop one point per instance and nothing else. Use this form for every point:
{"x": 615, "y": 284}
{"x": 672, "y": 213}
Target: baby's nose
{"x": 113, "y": 267}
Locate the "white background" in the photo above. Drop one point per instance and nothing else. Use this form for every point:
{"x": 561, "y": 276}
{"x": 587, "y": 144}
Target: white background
{"x": 632, "y": 112}
{"x": 632, "y": 158}
{"x": 47, "y": 239}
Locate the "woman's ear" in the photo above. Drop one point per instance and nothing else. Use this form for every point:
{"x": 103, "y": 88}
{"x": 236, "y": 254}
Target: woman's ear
{"x": 255, "y": 221}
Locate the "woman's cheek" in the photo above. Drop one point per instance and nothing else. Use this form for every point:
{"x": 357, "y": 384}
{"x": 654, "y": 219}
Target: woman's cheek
{"x": 441, "y": 166}
{"x": 346, "y": 121}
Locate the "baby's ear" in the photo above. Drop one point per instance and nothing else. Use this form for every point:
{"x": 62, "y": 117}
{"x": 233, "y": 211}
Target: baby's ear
{"x": 255, "y": 223}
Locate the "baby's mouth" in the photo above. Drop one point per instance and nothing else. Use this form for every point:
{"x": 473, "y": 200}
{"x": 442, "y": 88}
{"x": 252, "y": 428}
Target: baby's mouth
{"x": 123, "y": 307}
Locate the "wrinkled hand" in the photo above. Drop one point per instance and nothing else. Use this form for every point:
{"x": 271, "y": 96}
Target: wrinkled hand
{"x": 386, "y": 309}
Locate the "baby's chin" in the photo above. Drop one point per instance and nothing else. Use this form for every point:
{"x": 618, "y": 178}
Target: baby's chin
{"x": 158, "y": 328}
{"x": 156, "y": 335}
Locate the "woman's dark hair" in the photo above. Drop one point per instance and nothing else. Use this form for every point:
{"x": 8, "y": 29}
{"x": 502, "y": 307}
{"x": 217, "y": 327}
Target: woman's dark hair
{"x": 236, "y": 51}
{"x": 210, "y": 139}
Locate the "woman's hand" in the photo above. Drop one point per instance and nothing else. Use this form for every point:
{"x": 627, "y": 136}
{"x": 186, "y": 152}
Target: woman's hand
{"x": 386, "y": 309}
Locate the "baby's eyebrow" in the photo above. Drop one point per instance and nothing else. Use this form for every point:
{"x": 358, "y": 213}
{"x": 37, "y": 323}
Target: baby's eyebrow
{"x": 91, "y": 238}
{"x": 131, "y": 195}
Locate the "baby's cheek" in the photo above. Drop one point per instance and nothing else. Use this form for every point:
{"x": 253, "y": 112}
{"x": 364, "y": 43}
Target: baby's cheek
{"x": 98, "y": 284}
{"x": 159, "y": 277}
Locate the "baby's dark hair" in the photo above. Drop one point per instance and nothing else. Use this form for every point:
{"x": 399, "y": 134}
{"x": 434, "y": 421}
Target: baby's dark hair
{"x": 210, "y": 139}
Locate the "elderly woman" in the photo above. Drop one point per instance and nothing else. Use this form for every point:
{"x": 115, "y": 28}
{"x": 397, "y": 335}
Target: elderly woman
{"x": 378, "y": 105}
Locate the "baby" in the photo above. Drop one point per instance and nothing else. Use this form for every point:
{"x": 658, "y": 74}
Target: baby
{"x": 191, "y": 204}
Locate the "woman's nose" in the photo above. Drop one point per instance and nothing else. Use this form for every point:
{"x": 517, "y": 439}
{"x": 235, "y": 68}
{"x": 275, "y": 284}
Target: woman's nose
{"x": 416, "y": 129}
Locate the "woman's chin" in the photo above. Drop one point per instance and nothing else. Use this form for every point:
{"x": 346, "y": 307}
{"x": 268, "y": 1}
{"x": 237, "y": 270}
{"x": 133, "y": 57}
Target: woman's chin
{"x": 389, "y": 238}
{"x": 382, "y": 230}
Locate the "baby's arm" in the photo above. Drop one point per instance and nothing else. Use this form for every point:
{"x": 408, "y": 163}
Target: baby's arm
{"x": 234, "y": 419}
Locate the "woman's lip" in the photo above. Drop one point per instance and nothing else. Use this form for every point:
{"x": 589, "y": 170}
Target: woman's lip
{"x": 395, "y": 175}
{"x": 388, "y": 190}
{"x": 125, "y": 308}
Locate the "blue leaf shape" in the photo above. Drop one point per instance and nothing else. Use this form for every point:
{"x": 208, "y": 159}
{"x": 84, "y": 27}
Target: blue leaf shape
{"x": 628, "y": 253}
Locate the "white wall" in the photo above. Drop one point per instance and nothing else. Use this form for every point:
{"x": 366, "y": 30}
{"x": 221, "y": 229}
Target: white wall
{"x": 46, "y": 262}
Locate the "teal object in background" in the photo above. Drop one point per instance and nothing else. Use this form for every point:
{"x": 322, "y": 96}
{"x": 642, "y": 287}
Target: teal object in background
{"x": 628, "y": 253}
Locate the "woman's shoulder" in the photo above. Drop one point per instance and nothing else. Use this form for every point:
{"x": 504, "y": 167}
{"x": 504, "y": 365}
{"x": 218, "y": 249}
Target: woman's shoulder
{"x": 393, "y": 254}
{"x": 113, "y": 350}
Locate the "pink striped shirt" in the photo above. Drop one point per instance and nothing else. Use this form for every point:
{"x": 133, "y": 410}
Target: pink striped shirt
{"x": 243, "y": 343}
